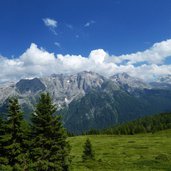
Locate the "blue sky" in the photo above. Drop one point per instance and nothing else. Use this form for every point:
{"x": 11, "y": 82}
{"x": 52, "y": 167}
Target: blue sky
{"x": 106, "y": 36}
{"x": 119, "y": 26}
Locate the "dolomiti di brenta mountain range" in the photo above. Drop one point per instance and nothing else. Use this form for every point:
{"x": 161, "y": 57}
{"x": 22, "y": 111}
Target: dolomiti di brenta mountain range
{"x": 87, "y": 100}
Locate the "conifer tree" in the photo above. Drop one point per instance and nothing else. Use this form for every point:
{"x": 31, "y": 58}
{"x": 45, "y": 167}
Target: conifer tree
{"x": 2, "y": 157}
{"x": 50, "y": 150}
{"x": 1, "y": 127}
{"x": 88, "y": 152}
{"x": 12, "y": 154}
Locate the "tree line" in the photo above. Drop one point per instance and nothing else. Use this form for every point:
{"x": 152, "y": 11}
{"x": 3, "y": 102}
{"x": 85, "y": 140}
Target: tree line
{"x": 148, "y": 124}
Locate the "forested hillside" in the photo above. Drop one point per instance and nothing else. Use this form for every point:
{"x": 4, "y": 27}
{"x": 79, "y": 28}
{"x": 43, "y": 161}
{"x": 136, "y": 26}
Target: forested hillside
{"x": 143, "y": 125}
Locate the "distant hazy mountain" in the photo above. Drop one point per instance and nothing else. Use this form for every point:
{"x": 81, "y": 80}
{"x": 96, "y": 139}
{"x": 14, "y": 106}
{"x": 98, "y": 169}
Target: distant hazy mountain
{"x": 129, "y": 83}
{"x": 88, "y": 100}
{"x": 162, "y": 82}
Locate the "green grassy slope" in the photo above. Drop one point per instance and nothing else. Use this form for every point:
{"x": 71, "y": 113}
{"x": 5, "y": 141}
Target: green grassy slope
{"x": 145, "y": 152}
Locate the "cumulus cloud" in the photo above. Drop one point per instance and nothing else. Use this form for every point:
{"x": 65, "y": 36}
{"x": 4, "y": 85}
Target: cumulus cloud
{"x": 89, "y": 23}
{"x": 98, "y": 56}
{"x": 154, "y": 55}
{"x": 37, "y": 62}
{"x": 51, "y": 24}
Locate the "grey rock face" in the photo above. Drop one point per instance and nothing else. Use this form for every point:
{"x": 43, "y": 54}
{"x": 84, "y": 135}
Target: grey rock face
{"x": 88, "y": 100}
{"x": 129, "y": 83}
{"x": 62, "y": 88}
{"x": 66, "y": 88}
{"x": 6, "y": 90}
{"x": 162, "y": 82}
{"x": 30, "y": 86}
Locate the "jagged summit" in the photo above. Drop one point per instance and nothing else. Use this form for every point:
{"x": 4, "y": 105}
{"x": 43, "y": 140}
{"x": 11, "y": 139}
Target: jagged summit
{"x": 121, "y": 75}
{"x": 89, "y": 100}
{"x": 30, "y": 86}
{"x": 126, "y": 80}
{"x": 65, "y": 88}
{"x": 162, "y": 82}
{"x": 165, "y": 79}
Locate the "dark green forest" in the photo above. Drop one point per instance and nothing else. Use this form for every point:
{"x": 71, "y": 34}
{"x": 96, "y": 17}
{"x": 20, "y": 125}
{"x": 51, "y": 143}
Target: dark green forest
{"x": 39, "y": 146}
{"x": 148, "y": 124}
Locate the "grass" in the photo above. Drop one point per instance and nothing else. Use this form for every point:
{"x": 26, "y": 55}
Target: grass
{"x": 147, "y": 152}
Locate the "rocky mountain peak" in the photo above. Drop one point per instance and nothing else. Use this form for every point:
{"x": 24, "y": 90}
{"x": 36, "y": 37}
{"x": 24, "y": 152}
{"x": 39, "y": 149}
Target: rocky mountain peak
{"x": 87, "y": 97}
{"x": 128, "y": 81}
{"x": 30, "y": 86}
{"x": 120, "y": 76}
{"x": 165, "y": 79}
{"x": 163, "y": 82}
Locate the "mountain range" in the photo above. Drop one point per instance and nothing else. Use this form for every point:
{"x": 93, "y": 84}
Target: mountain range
{"x": 88, "y": 100}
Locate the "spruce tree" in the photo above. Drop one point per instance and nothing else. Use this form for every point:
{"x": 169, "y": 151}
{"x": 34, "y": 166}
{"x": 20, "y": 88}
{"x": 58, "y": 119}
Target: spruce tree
{"x": 12, "y": 154}
{"x": 88, "y": 152}
{"x": 50, "y": 150}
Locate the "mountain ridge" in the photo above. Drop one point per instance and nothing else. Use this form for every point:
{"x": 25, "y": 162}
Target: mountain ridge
{"x": 89, "y": 100}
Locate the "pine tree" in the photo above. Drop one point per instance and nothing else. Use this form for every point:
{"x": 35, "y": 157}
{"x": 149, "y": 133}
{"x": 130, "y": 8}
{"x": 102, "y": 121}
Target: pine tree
{"x": 2, "y": 132}
{"x": 12, "y": 154}
{"x": 50, "y": 150}
{"x": 88, "y": 152}
{"x": 1, "y": 127}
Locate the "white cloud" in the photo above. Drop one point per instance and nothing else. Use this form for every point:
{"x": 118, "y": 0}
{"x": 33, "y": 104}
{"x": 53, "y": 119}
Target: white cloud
{"x": 69, "y": 26}
{"x": 57, "y": 44}
{"x": 37, "y": 62}
{"x": 98, "y": 56}
{"x": 51, "y": 24}
{"x": 154, "y": 55}
{"x": 89, "y": 23}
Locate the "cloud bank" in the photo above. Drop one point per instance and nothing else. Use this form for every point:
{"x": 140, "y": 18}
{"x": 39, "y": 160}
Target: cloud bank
{"x": 154, "y": 55}
{"x": 37, "y": 62}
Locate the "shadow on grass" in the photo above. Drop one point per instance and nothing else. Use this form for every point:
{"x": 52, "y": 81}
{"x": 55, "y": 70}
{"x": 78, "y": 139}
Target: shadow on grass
{"x": 155, "y": 164}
